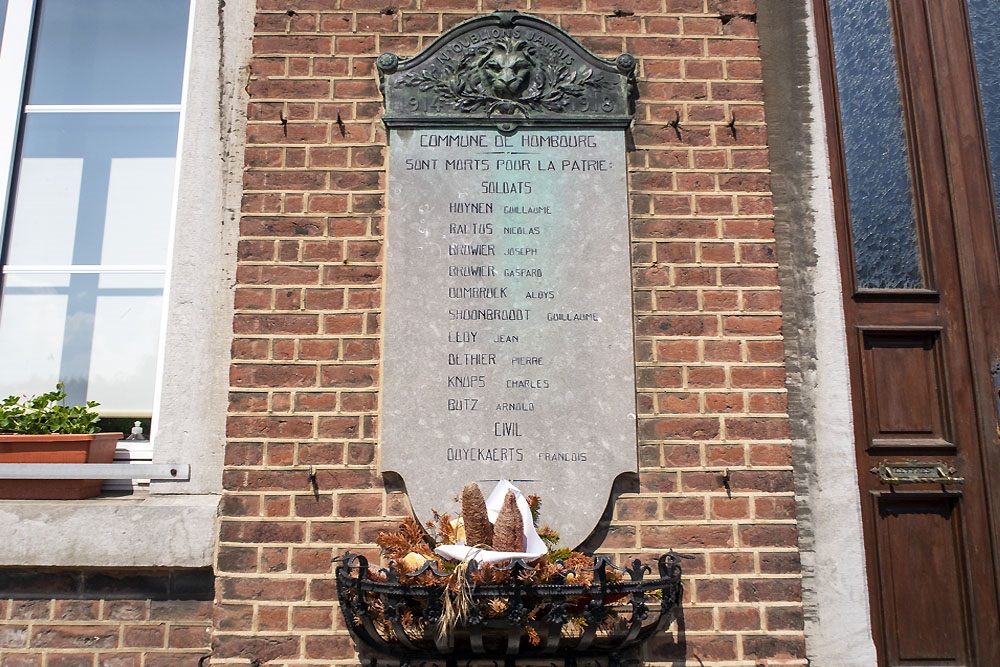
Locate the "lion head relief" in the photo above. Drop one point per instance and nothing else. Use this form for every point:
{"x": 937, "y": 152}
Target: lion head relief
{"x": 506, "y": 67}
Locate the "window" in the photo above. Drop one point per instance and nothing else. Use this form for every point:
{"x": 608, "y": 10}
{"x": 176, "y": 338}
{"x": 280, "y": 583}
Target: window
{"x": 880, "y": 193}
{"x": 92, "y": 189}
{"x": 166, "y": 156}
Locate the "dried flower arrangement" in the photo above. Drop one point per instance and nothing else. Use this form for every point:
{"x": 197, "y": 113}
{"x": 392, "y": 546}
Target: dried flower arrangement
{"x": 513, "y": 534}
{"x": 491, "y": 593}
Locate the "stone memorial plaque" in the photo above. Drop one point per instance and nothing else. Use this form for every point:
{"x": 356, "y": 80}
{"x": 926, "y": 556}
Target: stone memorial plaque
{"x": 508, "y": 324}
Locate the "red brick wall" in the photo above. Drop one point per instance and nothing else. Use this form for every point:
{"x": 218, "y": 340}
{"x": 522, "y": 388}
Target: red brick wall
{"x": 103, "y": 633}
{"x": 306, "y": 368}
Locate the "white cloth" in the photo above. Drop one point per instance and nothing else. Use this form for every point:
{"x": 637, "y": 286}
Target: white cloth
{"x": 534, "y": 547}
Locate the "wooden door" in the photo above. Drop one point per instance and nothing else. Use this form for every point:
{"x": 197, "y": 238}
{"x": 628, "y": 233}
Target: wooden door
{"x": 917, "y": 226}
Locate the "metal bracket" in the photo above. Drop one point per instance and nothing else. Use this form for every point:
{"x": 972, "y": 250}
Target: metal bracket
{"x": 170, "y": 472}
{"x": 916, "y": 472}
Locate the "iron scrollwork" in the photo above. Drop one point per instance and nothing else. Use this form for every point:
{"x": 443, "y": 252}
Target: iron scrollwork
{"x": 501, "y": 617}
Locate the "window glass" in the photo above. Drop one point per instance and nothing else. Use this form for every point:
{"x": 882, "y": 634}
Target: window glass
{"x": 91, "y": 204}
{"x": 137, "y": 216}
{"x": 126, "y": 320}
{"x": 3, "y": 19}
{"x": 91, "y": 331}
{"x": 48, "y": 197}
{"x": 94, "y": 188}
{"x": 109, "y": 52}
{"x": 985, "y": 22}
{"x": 883, "y": 224}
{"x": 32, "y": 324}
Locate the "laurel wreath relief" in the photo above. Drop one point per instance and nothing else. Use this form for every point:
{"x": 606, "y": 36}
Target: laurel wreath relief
{"x": 543, "y": 84}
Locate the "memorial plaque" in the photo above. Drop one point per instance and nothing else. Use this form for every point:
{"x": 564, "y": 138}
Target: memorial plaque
{"x": 508, "y": 324}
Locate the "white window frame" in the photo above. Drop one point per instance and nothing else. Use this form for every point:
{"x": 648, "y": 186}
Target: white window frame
{"x": 174, "y": 525}
{"x": 13, "y": 66}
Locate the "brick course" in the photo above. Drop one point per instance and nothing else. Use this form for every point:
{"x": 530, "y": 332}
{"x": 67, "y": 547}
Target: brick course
{"x": 306, "y": 365}
{"x": 104, "y": 632}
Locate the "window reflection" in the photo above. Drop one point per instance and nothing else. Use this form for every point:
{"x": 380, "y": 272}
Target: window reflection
{"x": 91, "y": 206}
{"x": 91, "y": 331}
{"x": 93, "y": 189}
{"x": 109, "y": 52}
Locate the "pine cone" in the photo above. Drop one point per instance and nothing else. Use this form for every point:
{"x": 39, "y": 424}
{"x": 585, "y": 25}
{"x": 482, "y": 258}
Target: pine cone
{"x": 478, "y": 529}
{"x": 508, "y": 531}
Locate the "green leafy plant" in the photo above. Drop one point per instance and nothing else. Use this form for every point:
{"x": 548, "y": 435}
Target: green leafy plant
{"x": 45, "y": 413}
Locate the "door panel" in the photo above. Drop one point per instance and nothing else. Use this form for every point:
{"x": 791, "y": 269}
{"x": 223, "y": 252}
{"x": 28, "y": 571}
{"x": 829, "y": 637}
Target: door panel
{"x": 920, "y": 356}
{"x": 904, "y": 386}
{"x": 929, "y": 609}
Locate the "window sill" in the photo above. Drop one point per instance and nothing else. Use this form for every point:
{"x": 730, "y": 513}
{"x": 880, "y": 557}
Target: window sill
{"x": 131, "y": 531}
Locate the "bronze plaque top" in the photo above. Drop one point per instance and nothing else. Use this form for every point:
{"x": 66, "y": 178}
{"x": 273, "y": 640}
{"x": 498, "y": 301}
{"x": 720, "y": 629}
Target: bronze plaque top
{"x": 507, "y": 70}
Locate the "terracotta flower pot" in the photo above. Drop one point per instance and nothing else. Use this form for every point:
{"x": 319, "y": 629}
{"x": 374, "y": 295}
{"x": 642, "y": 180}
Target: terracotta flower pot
{"x": 55, "y": 448}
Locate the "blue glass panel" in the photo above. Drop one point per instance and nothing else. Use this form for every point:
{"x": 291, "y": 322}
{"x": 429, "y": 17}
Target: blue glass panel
{"x": 883, "y": 223}
{"x": 985, "y": 23}
{"x": 109, "y": 52}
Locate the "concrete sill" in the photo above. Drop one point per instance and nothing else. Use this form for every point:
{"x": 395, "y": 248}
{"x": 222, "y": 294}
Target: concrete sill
{"x": 127, "y": 531}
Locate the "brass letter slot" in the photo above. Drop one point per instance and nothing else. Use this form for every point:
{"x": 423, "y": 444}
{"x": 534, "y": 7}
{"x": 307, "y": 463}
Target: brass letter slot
{"x": 913, "y": 472}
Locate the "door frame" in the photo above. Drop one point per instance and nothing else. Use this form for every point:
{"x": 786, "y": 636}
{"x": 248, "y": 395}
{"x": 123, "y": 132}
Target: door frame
{"x": 965, "y": 157}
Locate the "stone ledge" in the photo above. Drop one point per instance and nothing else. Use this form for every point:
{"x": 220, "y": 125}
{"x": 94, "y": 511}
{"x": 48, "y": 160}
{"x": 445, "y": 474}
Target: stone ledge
{"x": 146, "y": 531}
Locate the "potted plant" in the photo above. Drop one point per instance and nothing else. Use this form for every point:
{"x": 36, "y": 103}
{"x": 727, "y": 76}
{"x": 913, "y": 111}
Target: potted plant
{"x": 40, "y": 429}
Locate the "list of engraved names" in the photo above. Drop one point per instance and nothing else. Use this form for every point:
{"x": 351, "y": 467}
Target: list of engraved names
{"x": 508, "y": 313}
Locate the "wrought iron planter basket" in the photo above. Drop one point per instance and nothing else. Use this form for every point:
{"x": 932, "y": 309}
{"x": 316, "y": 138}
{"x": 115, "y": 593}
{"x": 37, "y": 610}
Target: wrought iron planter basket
{"x": 508, "y": 621}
